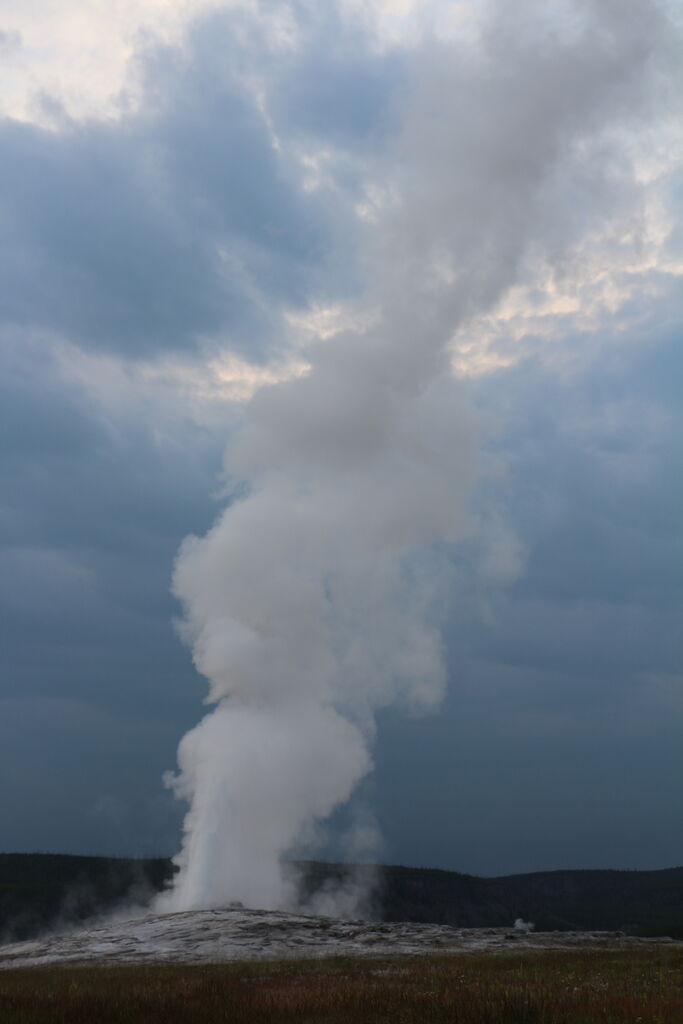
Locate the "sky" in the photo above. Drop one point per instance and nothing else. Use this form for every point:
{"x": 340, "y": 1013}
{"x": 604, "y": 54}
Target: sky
{"x": 199, "y": 202}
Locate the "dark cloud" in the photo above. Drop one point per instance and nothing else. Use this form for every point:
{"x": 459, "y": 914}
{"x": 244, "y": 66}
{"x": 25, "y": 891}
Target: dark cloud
{"x": 181, "y": 220}
{"x": 559, "y": 742}
{"x": 87, "y": 251}
{"x": 58, "y": 789}
{"x": 41, "y": 415}
{"x": 77, "y": 475}
{"x": 93, "y": 509}
{"x": 353, "y": 102}
{"x": 496, "y": 793}
{"x": 597, "y": 484}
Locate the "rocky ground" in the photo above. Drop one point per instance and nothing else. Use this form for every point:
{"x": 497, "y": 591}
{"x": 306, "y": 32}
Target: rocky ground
{"x": 239, "y": 934}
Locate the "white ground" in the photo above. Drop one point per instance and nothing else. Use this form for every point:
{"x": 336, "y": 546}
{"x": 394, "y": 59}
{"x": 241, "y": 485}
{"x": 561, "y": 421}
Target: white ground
{"x": 212, "y": 936}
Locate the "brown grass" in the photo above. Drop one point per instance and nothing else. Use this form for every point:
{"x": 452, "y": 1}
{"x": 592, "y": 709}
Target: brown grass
{"x": 620, "y": 987}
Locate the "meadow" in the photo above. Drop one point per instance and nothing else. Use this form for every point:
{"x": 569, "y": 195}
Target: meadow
{"x": 643, "y": 986}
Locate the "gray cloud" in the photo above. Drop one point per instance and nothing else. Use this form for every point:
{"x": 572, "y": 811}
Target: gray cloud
{"x": 353, "y": 103}
{"x": 559, "y": 741}
{"x": 56, "y": 758}
{"x": 10, "y": 41}
{"x": 181, "y": 221}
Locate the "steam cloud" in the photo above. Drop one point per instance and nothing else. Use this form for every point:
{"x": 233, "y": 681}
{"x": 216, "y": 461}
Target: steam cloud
{"x": 310, "y": 603}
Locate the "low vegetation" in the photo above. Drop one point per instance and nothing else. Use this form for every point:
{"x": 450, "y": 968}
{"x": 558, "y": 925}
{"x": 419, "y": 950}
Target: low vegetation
{"x": 626, "y": 987}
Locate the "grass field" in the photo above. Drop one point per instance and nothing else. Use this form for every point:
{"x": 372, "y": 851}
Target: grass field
{"x": 624, "y": 987}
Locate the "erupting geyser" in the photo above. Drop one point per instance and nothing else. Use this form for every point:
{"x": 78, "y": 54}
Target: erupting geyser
{"x": 310, "y": 603}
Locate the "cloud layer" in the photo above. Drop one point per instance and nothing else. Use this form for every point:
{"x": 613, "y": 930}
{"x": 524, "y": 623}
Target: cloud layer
{"x": 252, "y": 185}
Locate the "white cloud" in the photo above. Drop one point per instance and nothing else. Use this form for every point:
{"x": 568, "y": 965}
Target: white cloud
{"x": 623, "y": 271}
{"x": 77, "y": 51}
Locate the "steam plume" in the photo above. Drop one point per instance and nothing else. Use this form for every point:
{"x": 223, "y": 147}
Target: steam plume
{"x": 310, "y": 603}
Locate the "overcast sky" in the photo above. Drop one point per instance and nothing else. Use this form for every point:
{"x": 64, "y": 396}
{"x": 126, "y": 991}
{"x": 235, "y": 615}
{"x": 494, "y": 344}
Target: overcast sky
{"x": 190, "y": 195}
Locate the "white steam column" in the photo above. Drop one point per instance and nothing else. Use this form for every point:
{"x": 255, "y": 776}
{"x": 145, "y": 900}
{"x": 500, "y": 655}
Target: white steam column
{"x": 310, "y": 603}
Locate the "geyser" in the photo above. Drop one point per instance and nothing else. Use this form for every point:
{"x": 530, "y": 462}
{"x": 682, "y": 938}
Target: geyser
{"x": 310, "y": 604}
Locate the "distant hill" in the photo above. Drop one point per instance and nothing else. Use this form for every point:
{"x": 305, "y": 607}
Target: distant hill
{"x": 43, "y": 891}
{"x": 638, "y": 902}
{"x": 39, "y": 891}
